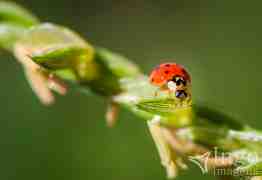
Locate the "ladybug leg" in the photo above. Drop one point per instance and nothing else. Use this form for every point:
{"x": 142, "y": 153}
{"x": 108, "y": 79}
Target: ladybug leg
{"x": 156, "y": 93}
{"x": 161, "y": 88}
{"x": 170, "y": 93}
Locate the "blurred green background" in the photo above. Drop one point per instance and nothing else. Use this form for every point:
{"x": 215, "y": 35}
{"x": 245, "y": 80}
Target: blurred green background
{"x": 220, "y": 43}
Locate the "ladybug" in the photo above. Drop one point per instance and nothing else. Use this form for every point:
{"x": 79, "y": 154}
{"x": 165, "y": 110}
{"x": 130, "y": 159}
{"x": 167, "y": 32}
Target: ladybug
{"x": 172, "y": 77}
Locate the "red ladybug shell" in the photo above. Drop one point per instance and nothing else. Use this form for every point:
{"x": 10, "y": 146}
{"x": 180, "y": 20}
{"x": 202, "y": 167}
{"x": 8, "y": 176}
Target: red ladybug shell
{"x": 166, "y": 71}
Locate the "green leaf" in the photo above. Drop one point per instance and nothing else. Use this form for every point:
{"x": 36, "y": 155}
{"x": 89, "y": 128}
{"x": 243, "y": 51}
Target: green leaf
{"x": 55, "y": 47}
{"x": 173, "y": 112}
{"x": 9, "y": 34}
{"x": 13, "y": 13}
{"x": 161, "y": 106}
{"x": 58, "y": 57}
{"x": 66, "y": 74}
{"x": 48, "y": 36}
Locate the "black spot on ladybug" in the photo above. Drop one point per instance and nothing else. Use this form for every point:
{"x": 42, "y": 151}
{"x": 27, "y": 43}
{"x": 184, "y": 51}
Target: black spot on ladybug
{"x": 178, "y": 82}
{"x": 167, "y": 65}
{"x": 166, "y": 72}
{"x": 152, "y": 80}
